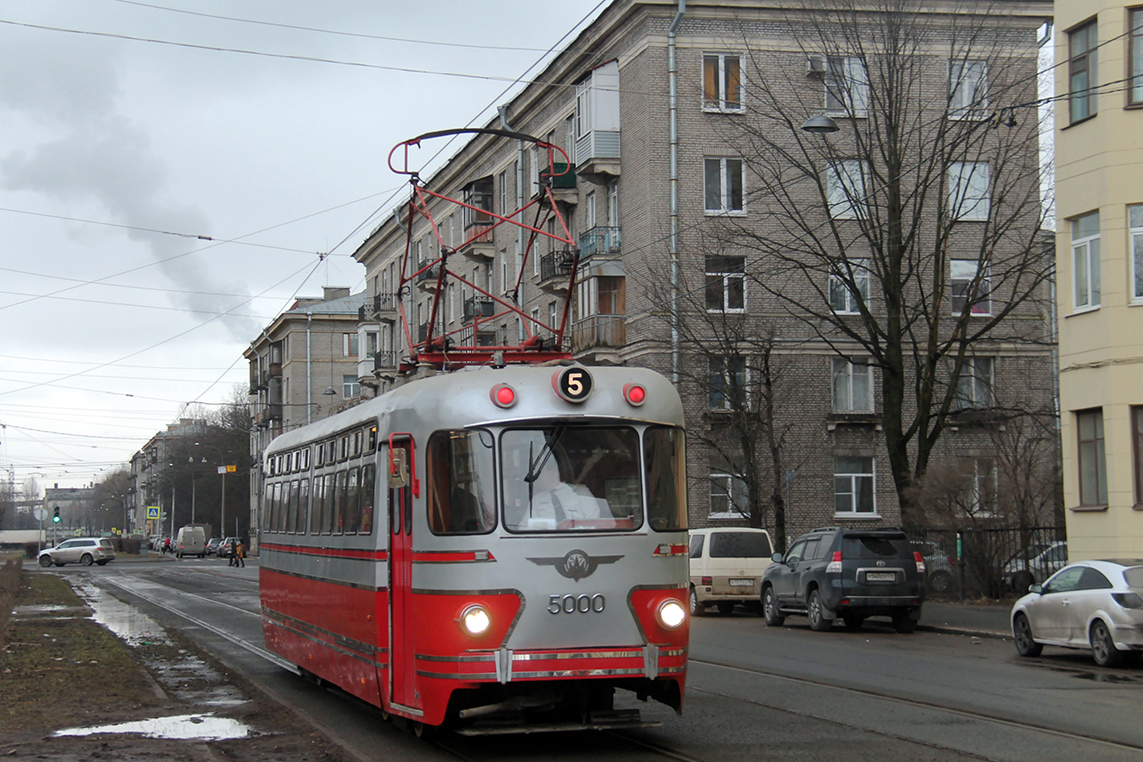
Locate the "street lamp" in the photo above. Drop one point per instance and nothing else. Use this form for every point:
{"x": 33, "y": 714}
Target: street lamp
{"x": 820, "y": 124}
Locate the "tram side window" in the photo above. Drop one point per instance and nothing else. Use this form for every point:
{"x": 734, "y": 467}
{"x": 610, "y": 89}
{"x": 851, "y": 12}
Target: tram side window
{"x": 338, "y": 506}
{"x": 273, "y": 497}
{"x": 281, "y": 508}
{"x": 352, "y": 501}
{"x": 303, "y": 505}
{"x": 321, "y": 506}
{"x": 461, "y": 496}
{"x": 368, "y": 490}
{"x": 665, "y": 451}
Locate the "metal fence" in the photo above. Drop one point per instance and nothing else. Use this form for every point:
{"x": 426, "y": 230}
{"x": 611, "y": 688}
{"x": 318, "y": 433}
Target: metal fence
{"x": 990, "y": 563}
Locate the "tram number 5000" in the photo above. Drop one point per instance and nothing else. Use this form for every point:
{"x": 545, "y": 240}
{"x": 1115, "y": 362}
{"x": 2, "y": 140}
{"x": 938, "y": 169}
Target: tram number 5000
{"x": 576, "y": 604}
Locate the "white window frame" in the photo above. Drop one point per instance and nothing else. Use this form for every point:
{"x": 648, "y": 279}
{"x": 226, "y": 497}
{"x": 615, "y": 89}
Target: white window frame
{"x": 842, "y": 299}
{"x": 1135, "y": 246}
{"x": 350, "y": 387}
{"x": 969, "y": 190}
{"x": 962, "y": 274}
{"x": 720, "y": 103}
{"x": 975, "y": 388}
{"x": 728, "y": 278}
{"x": 733, "y": 490}
{"x": 726, "y": 378}
{"x": 849, "y": 482}
{"x": 725, "y": 167}
{"x": 847, "y": 181}
{"x": 851, "y": 386}
{"x": 846, "y": 86}
{"x": 349, "y": 347}
{"x": 968, "y": 89}
{"x": 1086, "y": 285}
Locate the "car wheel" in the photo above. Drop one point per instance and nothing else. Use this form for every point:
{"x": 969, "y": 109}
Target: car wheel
{"x": 853, "y": 623}
{"x": 45, "y": 561}
{"x": 940, "y": 581}
{"x": 1022, "y": 636}
{"x": 770, "y": 611}
{"x": 904, "y": 623}
{"x": 815, "y": 609}
{"x": 697, "y": 609}
{"x": 726, "y": 609}
{"x": 87, "y": 560}
{"x": 1103, "y": 648}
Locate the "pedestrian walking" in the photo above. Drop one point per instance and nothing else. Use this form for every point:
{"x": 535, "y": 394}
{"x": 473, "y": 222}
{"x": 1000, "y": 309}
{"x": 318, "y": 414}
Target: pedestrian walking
{"x": 239, "y": 553}
{"x": 166, "y": 545}
{"x": 231, "y": 548}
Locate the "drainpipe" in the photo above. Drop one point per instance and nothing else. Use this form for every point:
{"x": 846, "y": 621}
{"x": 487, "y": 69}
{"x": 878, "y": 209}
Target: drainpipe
{"x": 309, "y": 394}
{"x": 672, "y": 79}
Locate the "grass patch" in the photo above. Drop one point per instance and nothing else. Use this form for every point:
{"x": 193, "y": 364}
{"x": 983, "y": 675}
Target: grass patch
{"x": 64, "y": 665}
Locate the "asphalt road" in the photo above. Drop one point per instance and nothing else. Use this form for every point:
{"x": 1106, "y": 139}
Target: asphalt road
{"x": 753, "y": 692}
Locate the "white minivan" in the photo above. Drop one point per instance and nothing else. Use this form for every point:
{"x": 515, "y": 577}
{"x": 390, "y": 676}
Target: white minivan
{"x": 191, "y": 541}
{"x": 726, "y": 567}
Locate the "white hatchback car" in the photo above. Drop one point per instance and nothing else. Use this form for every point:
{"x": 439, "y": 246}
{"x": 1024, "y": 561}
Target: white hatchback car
{"x": 84, "y": 550}
{"x": 1088, "y": 604}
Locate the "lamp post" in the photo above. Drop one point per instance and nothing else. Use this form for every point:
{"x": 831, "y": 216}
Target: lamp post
{"x": 223, "y": 469}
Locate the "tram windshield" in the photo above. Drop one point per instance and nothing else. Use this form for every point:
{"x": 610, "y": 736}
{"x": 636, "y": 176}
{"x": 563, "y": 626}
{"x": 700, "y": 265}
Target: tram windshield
{"x": 570, "y": 478}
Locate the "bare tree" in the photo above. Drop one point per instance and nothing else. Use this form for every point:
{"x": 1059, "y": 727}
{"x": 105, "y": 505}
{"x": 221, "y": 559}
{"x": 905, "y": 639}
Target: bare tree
{"x": 910, "y": 236}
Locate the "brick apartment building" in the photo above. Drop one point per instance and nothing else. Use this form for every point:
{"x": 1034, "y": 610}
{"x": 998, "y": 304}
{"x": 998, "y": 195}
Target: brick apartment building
{"x": 713, "y": 230}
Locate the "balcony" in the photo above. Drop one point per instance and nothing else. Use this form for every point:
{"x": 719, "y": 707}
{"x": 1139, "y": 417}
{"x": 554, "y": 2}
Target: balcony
{"x": 555, "y": 268}
{"x": 596, "y": 331}
{"x": 385, "y": 362}
{"x": 601, "y": 242}
{"x": 381, "y": 307}
{"x": 426, "y": 280}
{"x": 482, "y": 247}
{"x": 478, "y": 307}
{"x": 563, "y": 182}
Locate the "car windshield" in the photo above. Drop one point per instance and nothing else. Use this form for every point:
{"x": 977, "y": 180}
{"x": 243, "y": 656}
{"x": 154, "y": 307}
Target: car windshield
{"x": 571, "y": 478}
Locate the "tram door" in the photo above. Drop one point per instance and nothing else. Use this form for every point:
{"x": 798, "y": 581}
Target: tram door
{"x": 402, "y": 679}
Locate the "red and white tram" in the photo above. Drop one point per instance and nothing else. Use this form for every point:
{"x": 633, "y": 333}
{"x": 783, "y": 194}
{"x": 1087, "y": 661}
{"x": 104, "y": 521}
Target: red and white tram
{"x": 495, "y": 549}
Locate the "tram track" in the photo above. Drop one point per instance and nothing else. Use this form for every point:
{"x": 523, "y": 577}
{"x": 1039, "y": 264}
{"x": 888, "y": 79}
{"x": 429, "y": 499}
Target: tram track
{"x": 900, "y": 701}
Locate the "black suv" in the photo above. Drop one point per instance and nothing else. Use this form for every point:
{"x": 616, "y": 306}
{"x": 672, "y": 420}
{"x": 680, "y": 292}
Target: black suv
{"x": 847, "y": 573}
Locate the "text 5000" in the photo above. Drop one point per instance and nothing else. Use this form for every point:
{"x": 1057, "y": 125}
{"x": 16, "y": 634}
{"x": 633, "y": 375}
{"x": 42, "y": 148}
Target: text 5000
{"x": 576, "y": 604}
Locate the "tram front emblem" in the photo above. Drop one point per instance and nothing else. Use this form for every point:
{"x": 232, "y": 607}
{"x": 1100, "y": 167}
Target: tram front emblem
{"x": 576, "y": 564}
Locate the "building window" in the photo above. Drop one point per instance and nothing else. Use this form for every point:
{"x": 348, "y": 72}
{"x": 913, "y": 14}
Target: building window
{"x": 349, "y": 387}
{"x": 975, "y": 384}
{"x": 846, "y": 182}
{"x": 723, "y": 181}
{"x": 478, "y": 197}
{"x": 1137, "y": 461}
{"x": 847, "y": 86}
{"x": 728, "y": 496}
{"x": 968, "y": 89}
{"x": 726, "y": 382}
{"x": 982, "y": 487}
{"x": 1135, "y": 64}
{"x": 968, "y": 190}
{"x": 1085, "y": 261}
{"x": 853, "y": 484}
{"x": 502, "y": 182}
{"x": 1082, "y": 72}
{"x": 849, "y": 287}
{"x": 1135, "y": 236}
{"x": 971, "y": 287}
{"x": 725, "y": 284}
{"x": 721, "y": 82}
{"x": 349, "y": 345}
{"x": 1092, "y": 461}
{"x": 852, "y": 386}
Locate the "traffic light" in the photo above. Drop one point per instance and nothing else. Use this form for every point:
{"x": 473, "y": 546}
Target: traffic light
{"x": 56, "y": 515}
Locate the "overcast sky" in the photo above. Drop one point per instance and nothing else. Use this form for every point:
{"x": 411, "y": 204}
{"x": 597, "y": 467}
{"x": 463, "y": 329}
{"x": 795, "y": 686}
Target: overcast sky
{"x": 171, "y": 172}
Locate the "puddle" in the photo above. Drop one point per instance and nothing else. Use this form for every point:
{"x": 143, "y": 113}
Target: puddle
{"x": 196, "y": 727}
{"x": 180, "y": 673}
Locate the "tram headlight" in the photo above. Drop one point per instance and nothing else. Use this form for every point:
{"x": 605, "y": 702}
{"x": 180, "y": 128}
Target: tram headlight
{"x": 475, "y": 620}
{"x": 671, "y": 614}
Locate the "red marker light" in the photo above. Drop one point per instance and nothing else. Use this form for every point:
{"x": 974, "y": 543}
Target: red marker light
{"x": 503, "y": 395}
{"x": 634, "y": 394}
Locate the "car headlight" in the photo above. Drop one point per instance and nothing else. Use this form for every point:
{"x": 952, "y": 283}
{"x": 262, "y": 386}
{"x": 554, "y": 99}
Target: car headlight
{"x": 671, "y": 614}
{"x": 475, "y": 620}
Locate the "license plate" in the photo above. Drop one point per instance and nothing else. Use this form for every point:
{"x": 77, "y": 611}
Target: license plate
{"x": 741, "y": 583}
{"x": 880, "y": 576}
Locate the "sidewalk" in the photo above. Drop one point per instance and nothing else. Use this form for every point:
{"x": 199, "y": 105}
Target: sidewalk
{"x": 985, "y": 620}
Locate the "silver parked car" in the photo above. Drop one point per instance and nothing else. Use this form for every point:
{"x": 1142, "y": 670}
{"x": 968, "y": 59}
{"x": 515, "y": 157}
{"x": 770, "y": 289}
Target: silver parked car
{"x": 84, "y": 550}
{"x": 1088, "y": 604}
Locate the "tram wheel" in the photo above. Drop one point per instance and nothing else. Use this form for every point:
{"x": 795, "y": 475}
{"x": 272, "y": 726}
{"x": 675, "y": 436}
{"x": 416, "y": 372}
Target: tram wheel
{"x": 420, "y": 729}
